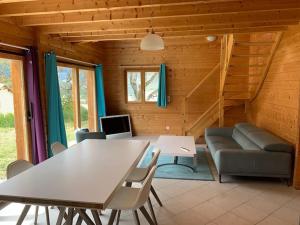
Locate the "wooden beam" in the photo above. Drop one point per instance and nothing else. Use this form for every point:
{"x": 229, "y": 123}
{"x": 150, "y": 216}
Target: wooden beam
{"x": 205, "y": 7}
{"x": 291, "y": 17}
{"x": 139, "y": 36}
{"x": 153, "y": 12}
{"x": 172, "y": 28}
{"x": 268, "y": 65}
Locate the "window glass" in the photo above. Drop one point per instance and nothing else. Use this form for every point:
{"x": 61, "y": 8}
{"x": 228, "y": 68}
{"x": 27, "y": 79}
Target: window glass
{"x": 83, "y": 96}
{"x": 151, "y": 86}
{"x": 65, "y": 86}
{"x": 134, "y": 83}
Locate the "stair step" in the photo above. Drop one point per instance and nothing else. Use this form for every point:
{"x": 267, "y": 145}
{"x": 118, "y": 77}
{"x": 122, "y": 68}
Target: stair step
{"x": 245, "y": 65}
{"x": 251, "y": 55}
{"x": 255, "y": 43}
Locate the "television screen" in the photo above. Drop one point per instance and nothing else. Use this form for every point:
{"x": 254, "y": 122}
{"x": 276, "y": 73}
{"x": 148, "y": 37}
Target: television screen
{"x": 115, "y": 124}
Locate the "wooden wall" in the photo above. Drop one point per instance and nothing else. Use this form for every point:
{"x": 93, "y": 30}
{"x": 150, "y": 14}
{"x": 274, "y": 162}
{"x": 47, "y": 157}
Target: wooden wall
{"x": 188, "y": 60}
{"x": 277, "y": 106}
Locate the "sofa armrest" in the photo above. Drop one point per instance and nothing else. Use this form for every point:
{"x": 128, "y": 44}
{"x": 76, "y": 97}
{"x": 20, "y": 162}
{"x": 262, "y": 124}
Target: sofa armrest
{"x": 236, "y": 161}
{"x": 224, "y": 131}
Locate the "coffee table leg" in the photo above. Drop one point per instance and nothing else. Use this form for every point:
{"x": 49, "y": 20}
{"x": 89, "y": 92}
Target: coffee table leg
{"x": 195, "y": 160}
{"x": 176, "y": 160}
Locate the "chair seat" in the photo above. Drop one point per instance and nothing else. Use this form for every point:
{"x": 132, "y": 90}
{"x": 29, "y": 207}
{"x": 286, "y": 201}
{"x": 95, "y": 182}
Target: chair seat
{"x": 124, "y": 199}
{"x": 137, "y": 175}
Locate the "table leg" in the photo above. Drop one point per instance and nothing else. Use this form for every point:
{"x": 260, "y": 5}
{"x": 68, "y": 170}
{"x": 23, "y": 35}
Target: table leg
{"x": 195, "y": 160}
{"x": 176, "y": 160}
{"x": 96, "y": 217}
{"x": 23, "y": 214}
{"x": 70, "y": 216}
{"x": 85, "y": 217}
{"x": 60, "y": 215}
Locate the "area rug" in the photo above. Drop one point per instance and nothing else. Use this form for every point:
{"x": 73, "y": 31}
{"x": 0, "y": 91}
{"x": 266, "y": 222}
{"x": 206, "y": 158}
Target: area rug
{"x": 202, "y": 170}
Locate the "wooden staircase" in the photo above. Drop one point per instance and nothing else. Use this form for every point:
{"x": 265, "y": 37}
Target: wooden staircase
{"x": 244, "y": 65}
{"x": 245, "y": 62}
{"x": 210, "y": 116}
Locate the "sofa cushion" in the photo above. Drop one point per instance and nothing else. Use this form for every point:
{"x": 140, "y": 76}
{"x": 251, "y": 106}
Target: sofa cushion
{"x": 243, "y": 141}
{"x": 270, "y": 142}
{"x": 246, "y": 128}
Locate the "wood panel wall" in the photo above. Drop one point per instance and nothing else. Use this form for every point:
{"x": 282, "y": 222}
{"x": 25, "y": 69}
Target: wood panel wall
{"x": 188, "y": 60}
{"x": 277, "y": 105}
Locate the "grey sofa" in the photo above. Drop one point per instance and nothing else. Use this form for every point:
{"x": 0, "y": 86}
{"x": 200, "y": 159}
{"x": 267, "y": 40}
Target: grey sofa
{"x": 246, "y": 150}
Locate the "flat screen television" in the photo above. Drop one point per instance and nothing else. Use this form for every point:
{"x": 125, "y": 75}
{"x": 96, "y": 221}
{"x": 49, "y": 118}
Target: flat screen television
{"x": 115, "y": 127}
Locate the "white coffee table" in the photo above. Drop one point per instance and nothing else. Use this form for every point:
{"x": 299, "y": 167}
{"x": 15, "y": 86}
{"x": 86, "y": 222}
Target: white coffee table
{"x": 177, "y": 146}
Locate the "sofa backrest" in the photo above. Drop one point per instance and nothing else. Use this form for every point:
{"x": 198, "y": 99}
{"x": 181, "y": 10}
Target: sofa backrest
{"x": 260, "y": 138}
{"x": 244, "y": 141}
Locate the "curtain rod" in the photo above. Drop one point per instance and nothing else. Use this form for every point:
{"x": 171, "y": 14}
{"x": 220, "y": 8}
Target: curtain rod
{"x": 14, "y": 46}
{"x": 75, "y": 60}
{"x": 139, "y": 66}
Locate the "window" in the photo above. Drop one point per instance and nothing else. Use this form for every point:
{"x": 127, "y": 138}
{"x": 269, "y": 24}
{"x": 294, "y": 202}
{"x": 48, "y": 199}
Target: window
{"x": 14, "y": 132}
{"x": 142, "y": 85}
{"x": 78, "y": 97}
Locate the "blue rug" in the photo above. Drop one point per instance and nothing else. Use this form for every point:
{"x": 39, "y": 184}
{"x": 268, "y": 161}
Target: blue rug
{"x": 202, "y": 170}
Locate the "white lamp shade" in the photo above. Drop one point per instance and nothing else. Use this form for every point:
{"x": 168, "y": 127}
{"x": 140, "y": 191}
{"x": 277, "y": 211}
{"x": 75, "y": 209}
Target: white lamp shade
{"x": 152, "y": 42}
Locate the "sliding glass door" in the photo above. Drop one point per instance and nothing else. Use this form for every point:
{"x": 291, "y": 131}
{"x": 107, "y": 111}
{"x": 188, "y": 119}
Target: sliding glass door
{"x": 14, "y": 127}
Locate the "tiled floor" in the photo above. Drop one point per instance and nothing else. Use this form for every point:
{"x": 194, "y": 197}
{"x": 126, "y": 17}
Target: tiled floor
{"x": 236, "y": 202}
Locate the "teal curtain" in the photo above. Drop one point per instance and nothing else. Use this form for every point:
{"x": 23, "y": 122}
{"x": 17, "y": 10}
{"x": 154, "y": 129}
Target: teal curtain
{"x": 162, "y": 88}
{"x": 56, "y": 125}
{"x": 101, "y": 108}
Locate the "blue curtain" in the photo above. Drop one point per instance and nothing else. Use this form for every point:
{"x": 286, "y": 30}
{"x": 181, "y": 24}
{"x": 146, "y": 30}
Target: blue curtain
{"x": 101, "y": 108}
{"x": 56, "y": 125}
{"x": 162, "y": 88}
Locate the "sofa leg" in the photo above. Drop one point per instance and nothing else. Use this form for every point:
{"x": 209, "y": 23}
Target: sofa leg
{"x": 220, "y": 178}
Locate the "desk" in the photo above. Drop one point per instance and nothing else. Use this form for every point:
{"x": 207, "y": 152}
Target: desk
{"x": 84, "y": 176}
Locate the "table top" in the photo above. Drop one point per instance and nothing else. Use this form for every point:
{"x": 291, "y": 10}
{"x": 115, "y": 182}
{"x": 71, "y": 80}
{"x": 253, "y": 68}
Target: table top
{"x": 84, "y": 176}
{"x": 176, "y": 145}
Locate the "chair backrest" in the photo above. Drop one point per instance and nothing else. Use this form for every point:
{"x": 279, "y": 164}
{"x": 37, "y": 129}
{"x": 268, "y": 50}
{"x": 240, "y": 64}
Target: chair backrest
{"x": 143, "y": 194}
{"x": 154, "y": 159}
{"x": 17, "y": 167}
{"x": 57, "y": 148}
{"x": 83, "y": 134}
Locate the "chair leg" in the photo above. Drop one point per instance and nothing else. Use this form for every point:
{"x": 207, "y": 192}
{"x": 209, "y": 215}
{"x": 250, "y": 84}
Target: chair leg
{"x": 47, "y": 215}
{"x": 112, "y": 217}
{"x": 60, "y": 215}
{"x": 136, "y": 217}
{"x": 220, "y": 178}
{"x": 23, "y": 214}
{"x": 152, "y": 211}
{"x": 36, "y": 215}
{"x": 118, "y": 217}
{"x": 155, "y": 195}
{"x": 147, "y": 216}
{"x": 96, "y": 217}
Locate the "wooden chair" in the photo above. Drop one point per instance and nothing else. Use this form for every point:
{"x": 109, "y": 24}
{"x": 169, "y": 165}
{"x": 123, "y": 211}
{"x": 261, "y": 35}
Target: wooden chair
{"x": 14, "y": 169}
{"x": 129, "y": 198}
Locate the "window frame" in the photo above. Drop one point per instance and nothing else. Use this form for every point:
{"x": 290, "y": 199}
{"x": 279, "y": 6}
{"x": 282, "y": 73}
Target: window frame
{"x": 143, "y": 84}
{"x": 91, "y": 95}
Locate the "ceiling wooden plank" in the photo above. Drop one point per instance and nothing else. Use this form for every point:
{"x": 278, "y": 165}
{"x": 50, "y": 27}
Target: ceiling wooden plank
{"x": 278, "y": 16}
{"x": 169, "y": 34}
{"x": 14, "y": 1}
{"x": 42, "y": 7}
{"x": 157, "y": 12}
{"x": 67, "y": 6}
{"x": 169, "y": 29}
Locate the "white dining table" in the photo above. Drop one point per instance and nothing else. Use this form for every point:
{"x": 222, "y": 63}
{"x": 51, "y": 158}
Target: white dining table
{"x": 85, "y": 176}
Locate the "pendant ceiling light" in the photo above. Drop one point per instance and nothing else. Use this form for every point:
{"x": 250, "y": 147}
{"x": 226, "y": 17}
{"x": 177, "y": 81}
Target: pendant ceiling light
{"x": 152, "y": 41}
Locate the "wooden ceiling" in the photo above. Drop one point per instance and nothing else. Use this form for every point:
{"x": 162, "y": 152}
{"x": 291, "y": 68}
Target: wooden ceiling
{"x": 103, "y": 20}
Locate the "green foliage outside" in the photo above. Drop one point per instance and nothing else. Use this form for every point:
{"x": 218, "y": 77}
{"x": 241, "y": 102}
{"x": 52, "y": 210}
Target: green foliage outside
{"x": 7, "y": 120}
